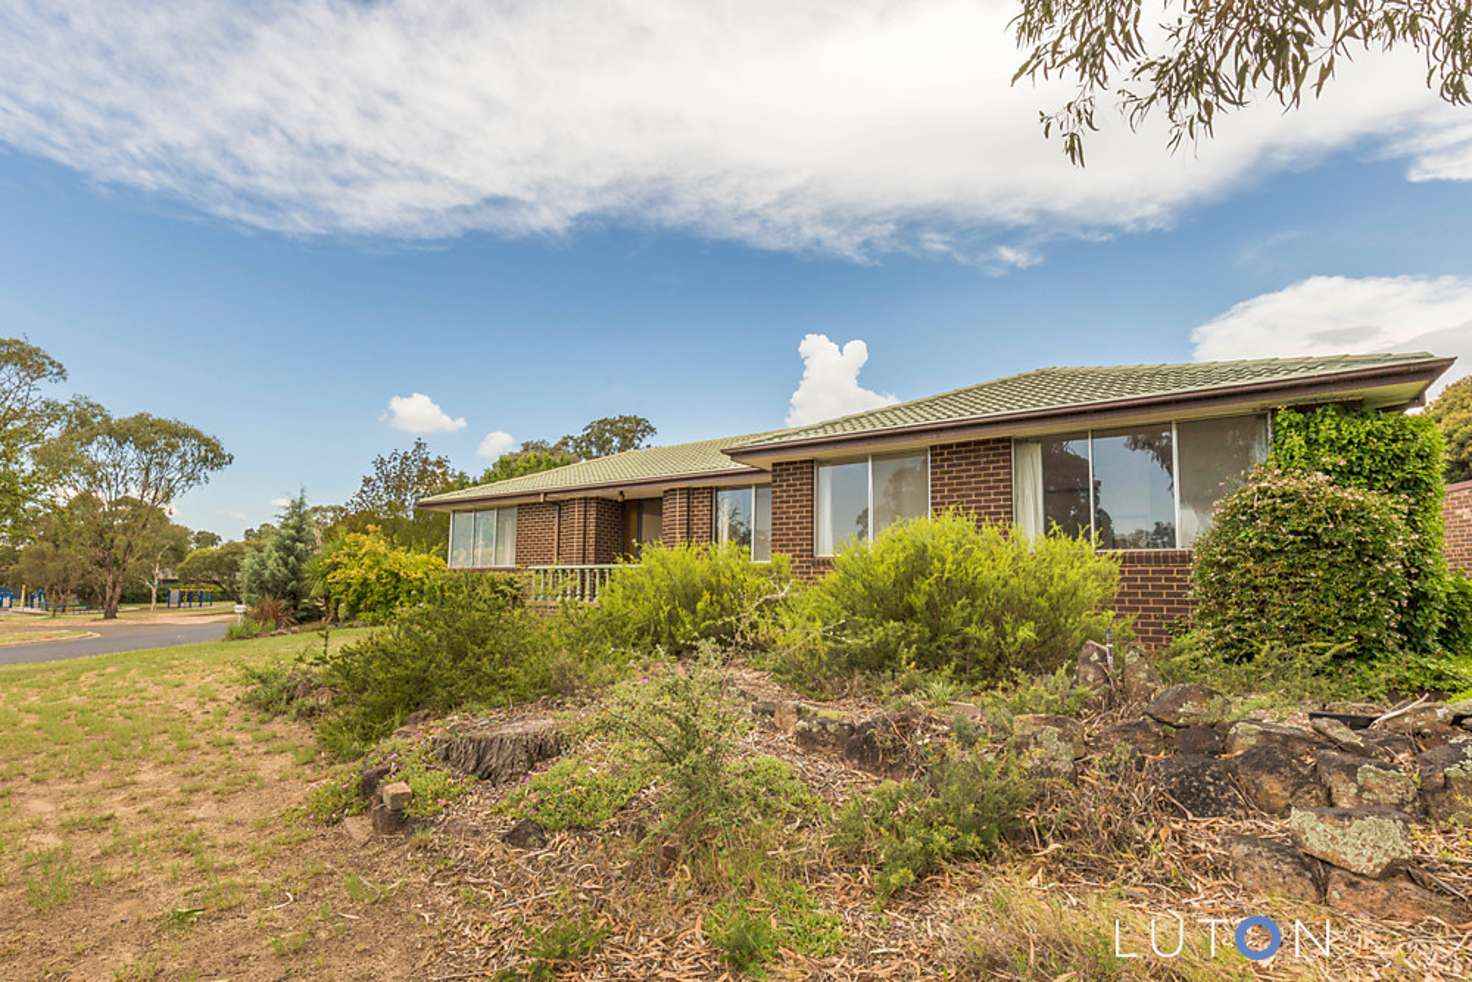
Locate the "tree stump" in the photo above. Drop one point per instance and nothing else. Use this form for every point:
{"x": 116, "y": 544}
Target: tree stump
{"x": 499, "y": 753}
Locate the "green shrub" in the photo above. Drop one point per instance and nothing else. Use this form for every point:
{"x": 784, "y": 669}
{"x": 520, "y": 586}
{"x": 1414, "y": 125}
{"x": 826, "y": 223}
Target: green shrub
{"x": 247, "y": 628}
{"x": 942, "y": 595}
{"x": 678, "y": 596}
{"x": 1392, "y": 454}
{"x": 576, "y": 793}
{"x": 555, "y": 947}
{"x": 412, "y": 763}
{"x": 1294, "y": 559}
{"x": 471, "y": 642}
{"x": 366, "y": 577}
{"x": 1456, "y": 628}
{"x": 909, "y": 829}
{"x": 748, "y": 931}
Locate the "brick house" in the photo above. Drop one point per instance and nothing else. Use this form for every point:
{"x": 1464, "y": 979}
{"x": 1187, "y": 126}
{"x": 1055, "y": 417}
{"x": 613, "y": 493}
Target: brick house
{"x": 1136, "y": 456}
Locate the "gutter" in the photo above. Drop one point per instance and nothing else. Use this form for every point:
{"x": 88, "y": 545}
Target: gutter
{"x": 701, "y": 478}
{"x": 1429, "y": 370}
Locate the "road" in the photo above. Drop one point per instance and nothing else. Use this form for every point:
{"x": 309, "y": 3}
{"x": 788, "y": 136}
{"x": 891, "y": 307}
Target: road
{"x": 119, "y": 636}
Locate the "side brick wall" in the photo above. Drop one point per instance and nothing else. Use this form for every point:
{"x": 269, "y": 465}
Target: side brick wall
{"x": 975, "y": 476}
{"x": 792, "y": 517}
{"x": 1155, "y": 586}
{"x": 687, "y": 515}
{"x": 536, "y": 533}
{"x": 1457, "y": 513}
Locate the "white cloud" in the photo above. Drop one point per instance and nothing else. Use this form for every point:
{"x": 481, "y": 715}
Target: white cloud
{"x": 418, "y": 413}
{"x": 495, "y": 443}
{"x": 281, "y": 502}
{"x": 830, "y": 382}
{"x": 851, "y": 127}
{"x": 1326, "y": 315}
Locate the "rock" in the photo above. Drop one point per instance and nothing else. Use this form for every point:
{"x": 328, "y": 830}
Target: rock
{"x": 358, "y": 828}
{"x": 499, "y": 753}
{"x": 1446, "y": 781}
{"x": 1357, "y": 781}
{"x": 1206, "y": 740}
{"x": 1144, "y": 735}
{"x": 1432, "y": 717}
{"x": 822, "y": 731}
{"x": 525, "y": 834}
{"x": 1460, "y": 711}
{"x": 1394, "y": 898}
{"x": 1095, "y": 665}
{"x": 396, "y": 795}
{"x": 1272, "y": 869}
{"x": 1051, "y": 742}
{"x": 417, "y": 718}
{"x": 371, "y": 778}
{"x": 1245, "y": 734}
{"x": 787, "y": 714}
{"x": 1202, "y": 786}
{"x": 1395, "y": 748}
{"x": 1187, "y": 704}
{"x": 881, "y": 745}
{"x": 387, "y": 821}
{"x": 1138, "y": 679}
{"x": 1275, "y": 780}
{"x": 764, "y": 708}
{"x": 1368, "y": 841}
{"x": 1340, "y": 735}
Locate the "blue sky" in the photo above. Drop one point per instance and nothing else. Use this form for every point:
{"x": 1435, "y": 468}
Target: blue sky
{"x": 279, "y": 297}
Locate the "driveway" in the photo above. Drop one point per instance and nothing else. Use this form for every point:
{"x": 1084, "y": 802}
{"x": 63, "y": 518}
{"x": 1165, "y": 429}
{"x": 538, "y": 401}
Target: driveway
{"x": 117, "y": 636}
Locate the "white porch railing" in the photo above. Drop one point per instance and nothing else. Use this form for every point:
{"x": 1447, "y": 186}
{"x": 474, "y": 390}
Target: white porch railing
{"x": 554, "y": 584}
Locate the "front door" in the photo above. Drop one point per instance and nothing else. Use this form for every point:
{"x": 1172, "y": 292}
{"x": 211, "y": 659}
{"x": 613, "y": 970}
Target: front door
{"x": 641, "y": 523}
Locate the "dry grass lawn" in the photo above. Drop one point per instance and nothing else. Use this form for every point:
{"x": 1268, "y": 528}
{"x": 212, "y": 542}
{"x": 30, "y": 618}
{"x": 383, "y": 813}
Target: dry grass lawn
{"x": 150, "y": 827}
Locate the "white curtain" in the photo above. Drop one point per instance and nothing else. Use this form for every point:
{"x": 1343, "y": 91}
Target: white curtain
{"x": 1027, "y": 486}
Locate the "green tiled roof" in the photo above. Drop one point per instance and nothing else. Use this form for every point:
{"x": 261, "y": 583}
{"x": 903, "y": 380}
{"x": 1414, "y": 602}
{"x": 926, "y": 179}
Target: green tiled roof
{"x": 1067, "y": 388}
{"x": 630, "y": 467}
{"x": 1041, "y": 390}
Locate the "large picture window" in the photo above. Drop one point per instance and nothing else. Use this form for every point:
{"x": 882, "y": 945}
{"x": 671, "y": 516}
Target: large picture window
{"x": 857, "y": 500}
{"x": 1149, "y": 487}
{"x": 483, "y": 538}
{"x": 744, "y": 516}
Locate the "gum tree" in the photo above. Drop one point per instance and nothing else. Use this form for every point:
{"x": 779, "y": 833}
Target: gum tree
{"x": 135, "y": 467}
{"x": 1209, "y": 57}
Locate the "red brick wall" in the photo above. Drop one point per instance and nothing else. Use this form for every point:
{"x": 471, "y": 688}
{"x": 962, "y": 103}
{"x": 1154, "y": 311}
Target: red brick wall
{"x": 975, "y": 476}
{"x": 1457, "y": 511}
{"x": 792, "y": 517}
{"x": 1155, "y": 586}
{"x": 536, "y": 532}
{"x": 687, "y": 515}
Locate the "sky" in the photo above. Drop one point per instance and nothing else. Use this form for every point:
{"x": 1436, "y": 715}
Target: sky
{"x": 317, "y": 230}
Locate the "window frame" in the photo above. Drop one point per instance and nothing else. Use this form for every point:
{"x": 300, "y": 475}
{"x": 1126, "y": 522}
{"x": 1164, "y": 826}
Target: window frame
{"x": 715, "y": 518}
{"x": 474, "y": 515}
{"x": 868, "y": 460}
{"x": 1175, "y": 469}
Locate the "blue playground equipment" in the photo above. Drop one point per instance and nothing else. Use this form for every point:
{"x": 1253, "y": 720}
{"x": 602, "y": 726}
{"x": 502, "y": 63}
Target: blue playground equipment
{"x": 191, "y": 598}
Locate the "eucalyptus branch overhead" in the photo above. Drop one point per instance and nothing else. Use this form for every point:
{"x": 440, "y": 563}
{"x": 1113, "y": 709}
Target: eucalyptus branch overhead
{"x": 1213, "y": 56}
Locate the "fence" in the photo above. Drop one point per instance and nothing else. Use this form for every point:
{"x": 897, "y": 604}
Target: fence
{"x": 554, "y": 584}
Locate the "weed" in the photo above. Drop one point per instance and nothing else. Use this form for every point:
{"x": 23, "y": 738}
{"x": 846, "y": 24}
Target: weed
{"x": 558, "y": 945}
{"x": 575, "y": 793}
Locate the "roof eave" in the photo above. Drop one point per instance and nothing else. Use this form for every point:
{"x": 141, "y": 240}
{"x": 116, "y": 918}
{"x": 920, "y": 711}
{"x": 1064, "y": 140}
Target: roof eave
{"x": 746, "y": 474}
{"x": 1424, "y": 372}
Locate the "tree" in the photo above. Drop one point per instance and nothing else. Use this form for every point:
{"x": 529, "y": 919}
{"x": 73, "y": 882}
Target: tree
{"x": 524, "y": 462}
{"x": 218, "y": 566}
{"x": 164, "y": 546}
{"x": 1452, "y": 411}
{"x": 27, "y": 417}
{"x": 387, "y": 495}
{"x": 134, "y": 467}
{"x": 204, "y": 539}
{"x": 278, "y": 568}
{"x": 59, "y": 559}
{"x": 609, "y": 435}
{"x": 1213, "y": 57}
